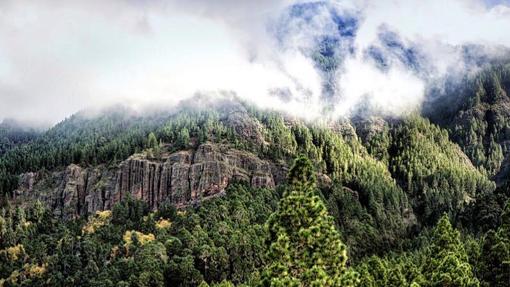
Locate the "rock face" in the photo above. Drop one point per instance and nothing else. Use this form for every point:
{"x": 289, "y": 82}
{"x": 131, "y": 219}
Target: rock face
{"x": 69, "y": 193}
{"x": 181, "y": 178}
{"x": 367, "y": 128}
{"x": 186, "y": 177}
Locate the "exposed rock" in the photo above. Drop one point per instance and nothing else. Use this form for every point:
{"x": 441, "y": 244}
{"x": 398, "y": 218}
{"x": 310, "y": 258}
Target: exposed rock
{"x": 100, "y": 187}
{"x": 343, "y": 127}
{"x": 324, "y": 181}
{"x": 181, "y": 178}
{"x": 367, "y": 128}
{"x": 25, "y": 184}
{"x": 244, "y": 125}
{"x": 177, "y": 177}
{"x": 71, "y": 192}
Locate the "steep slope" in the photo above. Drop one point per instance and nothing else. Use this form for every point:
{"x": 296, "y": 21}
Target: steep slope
{"x": 437, "y": 176}
{"x": 13, "y": 134}
{"x": 181, "y": 178}
{"x": 476, "y": 113}
{"x": 380, "y": 189}
{"x": 111, "y": 135}
{"x": 86, "y": 164}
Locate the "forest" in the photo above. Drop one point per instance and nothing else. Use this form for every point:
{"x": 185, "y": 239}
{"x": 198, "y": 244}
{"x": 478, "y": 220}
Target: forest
{"x": 415, "y": 201}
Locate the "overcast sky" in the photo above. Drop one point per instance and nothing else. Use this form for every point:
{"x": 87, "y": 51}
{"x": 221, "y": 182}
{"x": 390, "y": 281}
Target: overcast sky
{"x": 58, "y": 57}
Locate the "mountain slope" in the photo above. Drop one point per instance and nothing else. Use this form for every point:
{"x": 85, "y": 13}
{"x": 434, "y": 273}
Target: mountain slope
{"x": 87, "y": 164}
{"x": 13, "y": 134}
{"x": 223, "y": 163}
{"x": 476, "y": 113}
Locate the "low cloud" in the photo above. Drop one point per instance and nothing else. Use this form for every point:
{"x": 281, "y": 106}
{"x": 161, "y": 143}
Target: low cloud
{"x": 302, "y": 57}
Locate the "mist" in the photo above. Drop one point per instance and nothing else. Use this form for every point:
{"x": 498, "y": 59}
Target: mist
{"x": 309, "y": 59}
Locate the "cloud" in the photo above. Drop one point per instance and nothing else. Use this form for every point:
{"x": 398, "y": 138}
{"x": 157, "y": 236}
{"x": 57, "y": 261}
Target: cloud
{"x": 303, "y": 57}
{"x": 56, "y": 60}
{"x": 386, "y": 55}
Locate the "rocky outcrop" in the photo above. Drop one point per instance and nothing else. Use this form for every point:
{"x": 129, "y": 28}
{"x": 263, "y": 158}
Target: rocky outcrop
{"x": 26, "y": 183}
{"x": 69, "y": 193}
{"x": 190, "y": 176}
{"x": 245, "y": 126}
{"x": 181, "y": 178}
{"x": 234, "y": 115}
{"x": 367, "y": 128}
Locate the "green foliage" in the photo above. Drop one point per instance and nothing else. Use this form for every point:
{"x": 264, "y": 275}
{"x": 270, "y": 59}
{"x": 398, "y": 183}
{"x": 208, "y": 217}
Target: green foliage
{"x": 433, "y": 170}
{"x": 478, "y": 121}
{"x": 152, "y": 141}
{"x": 302, "y": 174}
{"x": 365, "y": 201}
{"x": 12, "y": 136}
{"x": 375, "y": 195}
{"x": 153, "y": 145}
{"x": 194, "y": 127}
{"x": 279, "y": 135}
{"x": 378, "y": 204}
{"x": 447, "y": 262}
{"x": 183, "y": 139}
{"x": 226, "y": 236}
{"x": 442, "y": 262}
{"x": 305, "y": 248}
{"x": 484, "y": 213}
{"x": 81, "y": 139}
{"x": 494, "y": 267}
{"x": 220, "y": 242}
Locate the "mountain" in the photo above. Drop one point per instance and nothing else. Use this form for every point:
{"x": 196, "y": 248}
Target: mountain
{"x": 13, "y": 133}
{"x": 475, "y": 112}
{"x": 189, "y": 189}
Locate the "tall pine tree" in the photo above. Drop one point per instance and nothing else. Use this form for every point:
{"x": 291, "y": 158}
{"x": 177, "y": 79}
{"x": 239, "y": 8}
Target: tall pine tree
{"x": 305, "y": 247}
{"x": 495, "y": 263}
{"x": 448, "y": 263}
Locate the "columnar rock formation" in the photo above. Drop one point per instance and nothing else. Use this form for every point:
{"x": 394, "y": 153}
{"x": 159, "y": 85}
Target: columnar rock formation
{"x": 181, "y": 178}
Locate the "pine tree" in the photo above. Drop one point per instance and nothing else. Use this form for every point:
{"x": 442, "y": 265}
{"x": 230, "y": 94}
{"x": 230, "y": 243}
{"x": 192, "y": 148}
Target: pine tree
{"x": 183, "y": 138}
{"x": 448, "y": 263}
{"x": 495, "y": 265}
{"x": 305, "y": 247}
{"x": 153, "y": 144}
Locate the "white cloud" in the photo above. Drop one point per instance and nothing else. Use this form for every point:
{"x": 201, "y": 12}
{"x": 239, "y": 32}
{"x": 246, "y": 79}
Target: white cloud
{"x": 58, "y": 59}
{"x": 390, "y": 93}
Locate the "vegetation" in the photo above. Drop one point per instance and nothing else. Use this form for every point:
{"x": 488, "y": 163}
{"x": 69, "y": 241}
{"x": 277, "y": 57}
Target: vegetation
{"x": 130, "y": 246}
{"x": 443, "y": 262}
{"x": 12, "y": 136}
{"x": 403, "y": 207}
{"x": 431, "y": 169}
{"x": 305, "y": 248}
{"x": 478, "y": 117}
{"x": 245, "y": 237}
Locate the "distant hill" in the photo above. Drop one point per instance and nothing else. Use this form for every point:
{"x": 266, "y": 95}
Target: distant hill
{"x": 13, "y": 133}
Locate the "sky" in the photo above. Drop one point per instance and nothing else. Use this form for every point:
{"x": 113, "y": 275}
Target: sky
{"x": 60, "y": 57}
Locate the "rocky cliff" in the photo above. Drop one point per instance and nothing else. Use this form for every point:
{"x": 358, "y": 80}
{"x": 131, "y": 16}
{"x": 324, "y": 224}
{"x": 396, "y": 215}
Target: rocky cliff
{"x": 181, "y": 178}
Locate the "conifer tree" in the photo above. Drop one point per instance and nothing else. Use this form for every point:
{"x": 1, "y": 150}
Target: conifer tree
{"x": 152, "y": 141}
{"x": 305, "y": 248}
{"x": 183, "y": 138}
{"x": 448, "y": 263}
{"x": 153, "y": 144}
{"x": 495, "y": 265}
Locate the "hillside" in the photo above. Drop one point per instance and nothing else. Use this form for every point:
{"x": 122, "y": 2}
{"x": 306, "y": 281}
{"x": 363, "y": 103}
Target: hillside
{"x": 13, "y": 134}
{"x": 475, "y": 112}
{"x": 273, "y": 143}
{"x": 217, "y": 173}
